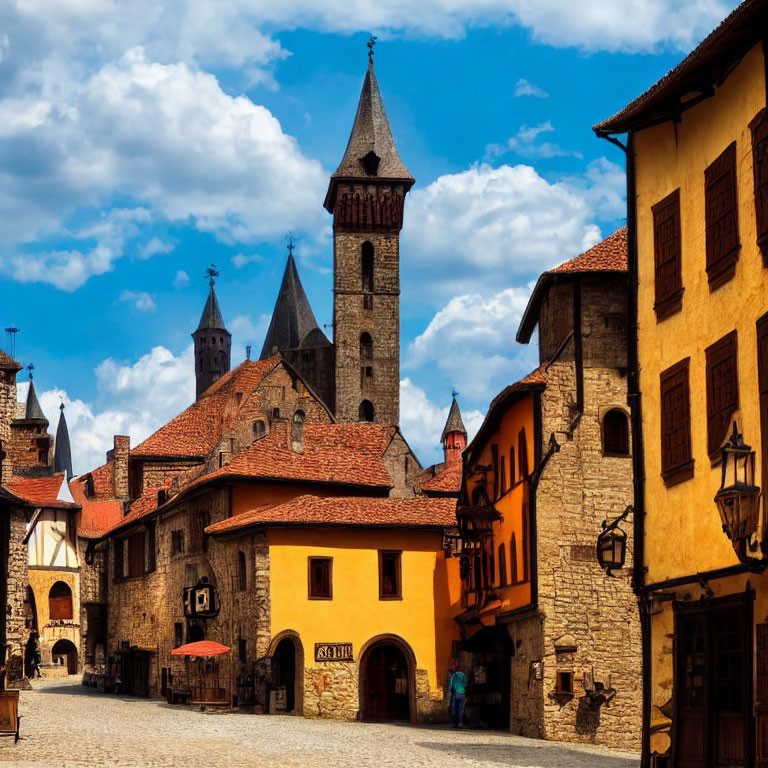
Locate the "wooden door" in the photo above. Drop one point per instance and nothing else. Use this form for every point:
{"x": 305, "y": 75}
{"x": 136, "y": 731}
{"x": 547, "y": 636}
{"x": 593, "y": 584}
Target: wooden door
{"x": 376, "y": 685}
{"x": 386, "y": 684}
{"x": 690, "y": 725}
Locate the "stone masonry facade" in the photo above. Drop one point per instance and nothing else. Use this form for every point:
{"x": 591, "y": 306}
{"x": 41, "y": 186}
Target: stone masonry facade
{"x": 588, "y": 622}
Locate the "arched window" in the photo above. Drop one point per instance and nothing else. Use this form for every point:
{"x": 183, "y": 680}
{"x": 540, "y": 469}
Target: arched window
{"x": 502, "y": 566}
{"x": 60, "y": 601}
{"x": 616, "y": 433}
{"x": 366, "y": 266}
{"x": 366, "y": 346}
{"x": 366, "y": 411}
{"x": 242, "y": 574}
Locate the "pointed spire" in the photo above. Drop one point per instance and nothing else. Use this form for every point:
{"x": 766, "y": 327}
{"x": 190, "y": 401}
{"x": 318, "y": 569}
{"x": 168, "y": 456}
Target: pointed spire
{"x": 371, "y": 151}
{"x": 62, "y": 459}
{"x": 454, "y": 422}
{"x": 33, "y": 411}
{"x": 211, "y": 317}
{"x": 293, "y": 323}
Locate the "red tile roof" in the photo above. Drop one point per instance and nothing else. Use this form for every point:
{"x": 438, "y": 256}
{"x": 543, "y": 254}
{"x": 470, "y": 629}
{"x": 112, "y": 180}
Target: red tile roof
{"x": 703, "y": 67}
{"x": 609, "y": 255}
{"x": 346, "y": 454}
{"x": 7, "y": 363}
{"x": 145, "y": 505}
{"x": 98, "y": 515}
{"x": 447, "y": 481}
{"x": 198, "y": 429}
{"x": 40, "y": 491}
{"x": 349, "y": 511}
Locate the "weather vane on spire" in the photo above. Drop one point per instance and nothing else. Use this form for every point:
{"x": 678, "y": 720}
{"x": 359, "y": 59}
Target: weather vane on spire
{"x": 454, "y": 392}
{"x": 211, "y": 272}
{"x": 370, "y": 45}
{"x": 291, "y": 241}
{"x": 30, "y": 368}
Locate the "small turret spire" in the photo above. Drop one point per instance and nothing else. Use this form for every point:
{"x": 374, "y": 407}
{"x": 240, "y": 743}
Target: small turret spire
{"x": 33, "y": 411}
{"x": 62, "y": 457}
{"x": 454, "y": 437}
{"x": 213, "y": 342}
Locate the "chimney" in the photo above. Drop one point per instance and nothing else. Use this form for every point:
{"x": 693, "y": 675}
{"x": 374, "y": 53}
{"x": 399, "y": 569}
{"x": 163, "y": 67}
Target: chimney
{"x": 121, "y": 453}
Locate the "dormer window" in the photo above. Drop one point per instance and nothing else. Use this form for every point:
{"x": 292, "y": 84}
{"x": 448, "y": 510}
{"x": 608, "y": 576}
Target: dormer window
{"x": 370, "y": 163}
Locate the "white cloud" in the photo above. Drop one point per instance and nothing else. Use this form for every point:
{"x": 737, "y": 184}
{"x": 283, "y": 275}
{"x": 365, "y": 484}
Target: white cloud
{"x": 133, "y": 399}
{"x": 154, "y": 247}
{"x": 524, "y": 88}
{"x": 239, "y": 260}
{"x": 525, "y": 143}
{"x": 140, "y": 299}
{"x": 422, "y": 422}
{"x": 164, "y": 136}
{"x": 245, "y": 332}
{"x": 181, "y": 279}
{"x": 471, "y": 340}
{"x": 488, "y": 227}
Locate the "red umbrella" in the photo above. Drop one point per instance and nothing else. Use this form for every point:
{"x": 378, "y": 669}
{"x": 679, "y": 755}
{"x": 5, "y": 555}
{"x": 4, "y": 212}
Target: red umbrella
{"x": 203, "y": 648}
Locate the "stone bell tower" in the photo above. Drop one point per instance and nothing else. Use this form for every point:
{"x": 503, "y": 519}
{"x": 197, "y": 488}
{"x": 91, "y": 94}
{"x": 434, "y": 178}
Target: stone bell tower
{"x": 366, "y": 196}
{"x": 213, "y": 342}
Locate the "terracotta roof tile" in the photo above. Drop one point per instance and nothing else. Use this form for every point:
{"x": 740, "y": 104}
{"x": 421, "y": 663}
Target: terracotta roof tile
{"x": 349, "y": 454}
{"x": 98, "y": 515}
{"x": 609, "y": 255}
{"x": 420, "y": 512}
{"x": 40, "y": 491}
{"x": 7, "y": 363}
{"x": 447, "y": 481}
{"x": 195, "y": 431}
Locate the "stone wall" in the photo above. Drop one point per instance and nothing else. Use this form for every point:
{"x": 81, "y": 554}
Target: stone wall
{"x": 30, "y": 446}
{"x": 592, "y": 616}
{"x": 526, "y": 713}
{"x": 351, "y": 318}
{"x": 403, "y": 467}
{"x": 16, "y": 632}
{"x": 7, "y": 414}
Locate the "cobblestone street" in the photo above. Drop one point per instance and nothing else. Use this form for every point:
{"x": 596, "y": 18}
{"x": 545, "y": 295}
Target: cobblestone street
{"x": 65, "y": 725}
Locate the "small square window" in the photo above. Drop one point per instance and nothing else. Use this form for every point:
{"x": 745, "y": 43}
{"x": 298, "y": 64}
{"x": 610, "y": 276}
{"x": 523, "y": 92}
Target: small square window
{"x": 177, "y": 542}
{"x": 390, "y": 586}
{"x": 564, "y": 682}
{"x": 320, "y": 585}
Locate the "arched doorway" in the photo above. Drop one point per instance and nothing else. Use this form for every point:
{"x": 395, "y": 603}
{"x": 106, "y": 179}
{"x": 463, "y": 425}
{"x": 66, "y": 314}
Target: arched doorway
{"x": 60, "y": 602}
{"x": 387, "y": 680}
{"x": 287, "y": 690}
{"x": 64, "y": 651}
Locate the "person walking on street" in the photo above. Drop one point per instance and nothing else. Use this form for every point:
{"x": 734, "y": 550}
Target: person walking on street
{"x": 458, "y": 690}
{"x": 33, "y": 655}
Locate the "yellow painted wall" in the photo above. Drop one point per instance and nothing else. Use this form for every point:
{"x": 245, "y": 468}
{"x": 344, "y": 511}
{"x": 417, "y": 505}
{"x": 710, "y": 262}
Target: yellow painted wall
{"x": 510, "y": 504}
{"x": 40, "y": 581}
{"x": 423, "y": 618}
{"x": 683, "y": 529}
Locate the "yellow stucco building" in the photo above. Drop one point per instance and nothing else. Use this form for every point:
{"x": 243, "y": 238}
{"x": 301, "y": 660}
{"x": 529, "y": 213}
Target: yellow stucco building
{"x": 698, "y": 216}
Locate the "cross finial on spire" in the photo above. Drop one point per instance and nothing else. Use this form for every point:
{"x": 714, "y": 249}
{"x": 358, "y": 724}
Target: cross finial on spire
{"x": 30, "y": 368}
{"x": 370, "y": 45}
{"x": 211, "y": 272}
{"x": 291, "y": 241}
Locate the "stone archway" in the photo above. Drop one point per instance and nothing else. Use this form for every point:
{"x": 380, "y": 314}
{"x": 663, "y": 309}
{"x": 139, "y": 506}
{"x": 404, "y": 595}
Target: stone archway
{"x": 287, "y": 653}
{"x": 387, "y": 680}
{"x": 65, "y": 650}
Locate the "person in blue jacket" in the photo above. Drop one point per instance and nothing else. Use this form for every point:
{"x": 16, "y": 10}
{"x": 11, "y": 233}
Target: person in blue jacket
{"x": 458, "y": 690}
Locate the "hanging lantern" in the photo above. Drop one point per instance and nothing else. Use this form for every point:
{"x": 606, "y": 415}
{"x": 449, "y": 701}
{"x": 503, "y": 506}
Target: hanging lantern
{"x": 612, "y": 544}
{"x": 739, "y": 501}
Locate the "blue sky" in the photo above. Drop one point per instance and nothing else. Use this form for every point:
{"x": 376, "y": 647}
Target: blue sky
{"x": 139, "y": 143}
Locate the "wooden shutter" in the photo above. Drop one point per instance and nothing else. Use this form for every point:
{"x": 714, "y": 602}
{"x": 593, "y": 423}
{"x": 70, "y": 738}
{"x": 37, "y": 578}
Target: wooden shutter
{"x": 513, "y": 560}
{"x": 762, "y": 384}
{"x": 676, "y": 457}
{"x": 667, "y": 256}
{"x": 759, "y": 127}
{"x": 761, "y": 694}
{"x": 136, "y": 555}
{"x": 722, "y": 390}
{"x": 721, "y": 213}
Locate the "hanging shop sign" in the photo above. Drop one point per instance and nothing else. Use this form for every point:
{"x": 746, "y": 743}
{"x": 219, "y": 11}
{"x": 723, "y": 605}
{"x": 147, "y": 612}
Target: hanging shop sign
{"x": 333, "y": 652}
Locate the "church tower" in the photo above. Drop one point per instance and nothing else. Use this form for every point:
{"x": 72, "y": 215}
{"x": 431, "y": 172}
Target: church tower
{"x": 454, "y": 437}
{"x": 213, "y": 342}
{"x": 366, "y": 196}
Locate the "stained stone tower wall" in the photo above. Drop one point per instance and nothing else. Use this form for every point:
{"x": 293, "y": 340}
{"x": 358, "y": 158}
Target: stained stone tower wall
{"x": 353, "y": 317}
{"x": 7, "y": 414}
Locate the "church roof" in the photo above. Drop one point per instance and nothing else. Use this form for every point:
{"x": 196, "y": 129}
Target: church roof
{"x": 7, "y": 363}
{"x": 211, "y": 317}
{"x": 62, "y": 459}
{"x": 454, "y": 422}
{"x": 370, "y": 133}
{"x": 293, "y": 323}
{"x": 33, "y": 411}
{"x": 350, "y": 511}
{"x": 609, "y": 255}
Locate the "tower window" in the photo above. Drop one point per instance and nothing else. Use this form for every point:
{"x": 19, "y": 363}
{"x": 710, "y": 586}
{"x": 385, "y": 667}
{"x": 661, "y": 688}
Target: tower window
{"x": 366, "y": 346}
{"x": 366, "y": 372}
{"x": 366, "y": 264}
{"x": 370, "y": 163}
{"x": 367, "y": 301}
{"x": 616, "y": 433}
{"x": 366, "y": 411}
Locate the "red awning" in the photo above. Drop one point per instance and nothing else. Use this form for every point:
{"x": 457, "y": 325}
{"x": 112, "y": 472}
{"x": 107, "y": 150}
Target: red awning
{"x": 200, "y": 648}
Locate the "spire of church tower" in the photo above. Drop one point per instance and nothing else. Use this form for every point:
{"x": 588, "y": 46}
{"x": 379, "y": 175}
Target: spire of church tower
{"x": 213, "y": 342}
{"x": 62, "y": 457}
{"x": 454, "y": 437}
{"x": 33, "y": 411}
{"x": 366, "y": 196}
{"x": 293, "y": 323}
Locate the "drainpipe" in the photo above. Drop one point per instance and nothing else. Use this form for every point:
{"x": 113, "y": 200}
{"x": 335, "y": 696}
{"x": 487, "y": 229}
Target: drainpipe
{"x": 638, "y": 463}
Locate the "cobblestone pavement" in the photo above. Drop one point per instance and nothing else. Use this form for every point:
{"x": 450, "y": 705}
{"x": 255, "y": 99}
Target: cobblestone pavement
{"x": 65, "y": 725}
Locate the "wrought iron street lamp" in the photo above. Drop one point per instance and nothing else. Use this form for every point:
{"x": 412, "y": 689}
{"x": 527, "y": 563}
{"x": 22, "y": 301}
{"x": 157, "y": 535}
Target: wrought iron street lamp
{"x": 612, "y": 544}
{"x": 739, "y": 501}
